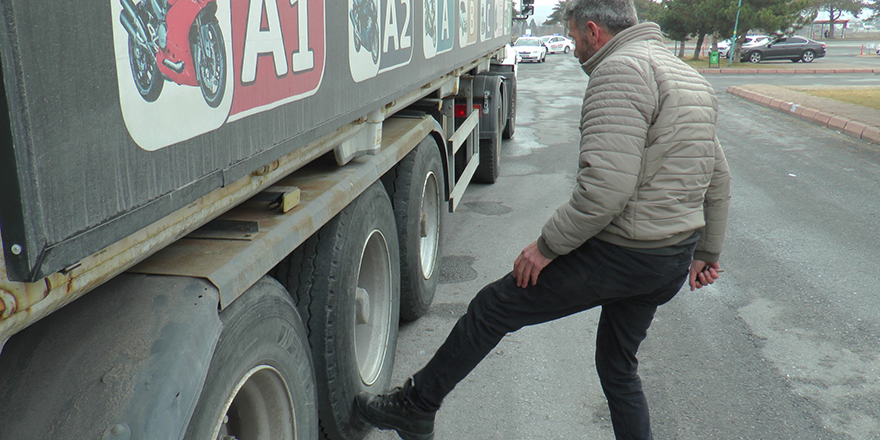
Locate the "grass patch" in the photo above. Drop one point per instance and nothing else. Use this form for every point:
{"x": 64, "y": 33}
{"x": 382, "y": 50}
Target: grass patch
{"x": 866, "y": 97}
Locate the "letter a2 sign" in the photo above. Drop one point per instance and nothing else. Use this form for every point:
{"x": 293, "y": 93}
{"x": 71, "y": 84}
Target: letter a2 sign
{"x": 208, "y": 62}
{"x": 380, "y": 36}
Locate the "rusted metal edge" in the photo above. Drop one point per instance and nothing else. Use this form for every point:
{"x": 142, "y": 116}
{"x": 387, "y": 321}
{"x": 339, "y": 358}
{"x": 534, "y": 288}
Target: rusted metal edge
{"x": 234, "y": 266}
{"x": 30, "y": 302}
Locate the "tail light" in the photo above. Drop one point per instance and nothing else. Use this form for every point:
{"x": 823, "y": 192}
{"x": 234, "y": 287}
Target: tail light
{"x": 461, "y": 110}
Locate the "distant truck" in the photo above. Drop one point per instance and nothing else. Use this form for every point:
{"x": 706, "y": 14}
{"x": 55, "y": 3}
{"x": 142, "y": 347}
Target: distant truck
{"x": 213, "y": 213}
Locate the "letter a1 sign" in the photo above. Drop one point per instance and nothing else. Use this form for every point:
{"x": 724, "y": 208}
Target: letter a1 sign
{"x": 279, "y": 50}
{"x": 245, "y": 57}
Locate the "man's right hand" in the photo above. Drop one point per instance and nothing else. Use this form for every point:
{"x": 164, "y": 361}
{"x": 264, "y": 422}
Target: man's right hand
{"x": 702, "y": 274}
{"x": 528, "y": 265}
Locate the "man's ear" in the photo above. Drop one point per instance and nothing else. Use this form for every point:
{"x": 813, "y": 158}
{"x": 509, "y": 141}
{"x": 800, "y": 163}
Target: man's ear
{"x": 598, "y": 34}
{"x": 593, "y": 30}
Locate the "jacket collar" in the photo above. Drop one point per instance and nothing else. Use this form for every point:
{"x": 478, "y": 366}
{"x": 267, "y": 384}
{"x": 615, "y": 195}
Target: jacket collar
{"x": 640, "y": 32}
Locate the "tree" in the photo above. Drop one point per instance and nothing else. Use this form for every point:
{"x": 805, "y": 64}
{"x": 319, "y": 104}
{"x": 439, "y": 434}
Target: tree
{"x": 836, "y": 8}
{"x": 772, "y": 17}
{"x": 682, "y": 19}
{"x": 874, "y": 6}
{"x": 555, "y": 17}
{"x": 673, "y": 25}
{"x": 648, "y": 10}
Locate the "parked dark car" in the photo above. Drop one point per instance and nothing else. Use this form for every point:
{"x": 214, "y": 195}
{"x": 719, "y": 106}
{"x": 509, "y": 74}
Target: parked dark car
{"x": 785, "y": 48}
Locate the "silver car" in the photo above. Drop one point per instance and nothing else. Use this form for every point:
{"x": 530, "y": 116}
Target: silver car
{"x": 785, "y": 48}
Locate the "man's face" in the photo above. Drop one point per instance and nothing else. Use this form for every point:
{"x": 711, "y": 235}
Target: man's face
{"x": 584, "y": 41}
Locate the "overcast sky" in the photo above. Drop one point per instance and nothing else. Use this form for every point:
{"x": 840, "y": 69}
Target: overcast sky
{"x": 543, "y": 8}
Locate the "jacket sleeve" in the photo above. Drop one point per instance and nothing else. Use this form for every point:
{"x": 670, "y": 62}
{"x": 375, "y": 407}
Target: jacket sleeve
{"x": 617, "y": 109}
{"x": 716, "y": 206}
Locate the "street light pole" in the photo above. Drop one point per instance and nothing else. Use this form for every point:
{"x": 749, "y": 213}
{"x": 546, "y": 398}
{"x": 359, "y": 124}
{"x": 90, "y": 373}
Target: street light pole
{"x": 733, "y": 41}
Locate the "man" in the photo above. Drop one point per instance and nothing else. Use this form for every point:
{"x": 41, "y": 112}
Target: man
{"x": 648, "y": 211}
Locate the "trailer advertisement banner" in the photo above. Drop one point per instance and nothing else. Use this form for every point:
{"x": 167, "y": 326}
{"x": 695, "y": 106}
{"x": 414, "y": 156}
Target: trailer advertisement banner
{"x": 207, "y": 62}
{"x": 210, "y": 62}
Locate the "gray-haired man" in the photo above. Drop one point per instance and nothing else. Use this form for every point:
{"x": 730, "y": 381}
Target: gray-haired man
{"x": 648, "y": 212}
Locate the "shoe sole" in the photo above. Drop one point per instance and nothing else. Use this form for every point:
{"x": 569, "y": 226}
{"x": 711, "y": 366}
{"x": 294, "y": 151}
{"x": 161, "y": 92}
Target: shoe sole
{"x": 412, "y": 436}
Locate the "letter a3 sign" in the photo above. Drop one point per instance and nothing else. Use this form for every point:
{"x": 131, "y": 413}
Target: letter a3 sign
{"x": 209, "y": 62}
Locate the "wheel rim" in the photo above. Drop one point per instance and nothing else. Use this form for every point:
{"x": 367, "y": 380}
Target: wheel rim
{"x": 374, "y": 42}
{"x": 499, "y": 133}
{"x": 373, "y": 308}
{"x": 808, "y": 56}
{"x": 210, "y": 62}
{"x": 142, "y": 68}
{"x": 260, "y": 408}
{"x": 755, "y": 57}
{"x": 429, "y": 221}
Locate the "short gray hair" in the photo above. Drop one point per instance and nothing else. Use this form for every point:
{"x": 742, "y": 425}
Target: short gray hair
{"x": 613, "y": 15}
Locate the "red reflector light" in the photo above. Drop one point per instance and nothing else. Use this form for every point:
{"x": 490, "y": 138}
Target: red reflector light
{"x": 460, "y": 110}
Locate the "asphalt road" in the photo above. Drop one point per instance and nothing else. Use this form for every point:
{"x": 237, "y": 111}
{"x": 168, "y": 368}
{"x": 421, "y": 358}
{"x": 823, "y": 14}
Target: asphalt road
{"x": 784, "y": 346}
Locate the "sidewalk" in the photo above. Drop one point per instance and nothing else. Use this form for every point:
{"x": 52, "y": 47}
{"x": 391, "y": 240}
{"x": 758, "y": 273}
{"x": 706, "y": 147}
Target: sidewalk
{"x": 787, "y": 67}
{"x": 850, "y": 119}
{"x": 824, "y": 70}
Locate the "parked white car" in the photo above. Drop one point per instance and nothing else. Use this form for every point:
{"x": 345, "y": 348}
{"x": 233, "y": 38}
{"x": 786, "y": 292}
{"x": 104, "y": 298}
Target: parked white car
{"x": 723, "y": 47}
{"x": 511, "y": 57}
{"x": 751, "y": 40}
{"x": 531, "y": 49}
{"x": 558, "y": 43}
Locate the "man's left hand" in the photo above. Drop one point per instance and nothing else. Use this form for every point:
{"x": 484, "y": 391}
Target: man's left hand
{"x": 528, "y": 265}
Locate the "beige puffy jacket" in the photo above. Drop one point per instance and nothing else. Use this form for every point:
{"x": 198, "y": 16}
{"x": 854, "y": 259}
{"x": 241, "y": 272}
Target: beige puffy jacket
{"x": 651, "y": 168}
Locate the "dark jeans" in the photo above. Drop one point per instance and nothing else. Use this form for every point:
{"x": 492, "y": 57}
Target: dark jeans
{"x": 628, "y": 284}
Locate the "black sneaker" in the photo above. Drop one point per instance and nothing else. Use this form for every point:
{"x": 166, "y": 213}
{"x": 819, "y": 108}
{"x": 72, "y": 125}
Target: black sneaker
{"x": 395, "y": 411}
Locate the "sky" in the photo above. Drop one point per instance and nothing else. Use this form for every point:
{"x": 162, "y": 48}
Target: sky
{"x": 543, "y": 8}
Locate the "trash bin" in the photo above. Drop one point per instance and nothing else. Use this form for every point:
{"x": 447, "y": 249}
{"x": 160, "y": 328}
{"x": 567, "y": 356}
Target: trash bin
{"x": 714, "y": 59}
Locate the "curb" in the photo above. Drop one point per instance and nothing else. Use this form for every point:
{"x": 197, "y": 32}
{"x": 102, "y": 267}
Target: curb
{"x": 849, "y": 127}
{"x": 717, "y": 71}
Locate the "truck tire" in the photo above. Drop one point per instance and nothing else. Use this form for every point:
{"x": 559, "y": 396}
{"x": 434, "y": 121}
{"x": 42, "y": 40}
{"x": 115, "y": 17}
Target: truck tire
{"x": 417, "y": 190}
{"x": 510, "y": 123}
{"x": 261, "y": 384}
{"x": 346, "y": 283}
{"x": 490, "y": 149}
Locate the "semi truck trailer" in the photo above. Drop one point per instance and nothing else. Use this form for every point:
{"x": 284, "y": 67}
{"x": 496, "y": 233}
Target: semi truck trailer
{"x": 215, "y": 213}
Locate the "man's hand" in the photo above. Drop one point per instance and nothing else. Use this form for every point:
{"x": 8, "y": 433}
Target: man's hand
{"x": 702, "y": 274}
{"x": 528, "y": 265}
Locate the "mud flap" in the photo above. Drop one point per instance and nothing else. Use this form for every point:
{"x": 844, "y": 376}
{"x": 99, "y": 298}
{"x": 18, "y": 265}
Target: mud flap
{"x": 126, "y": 361}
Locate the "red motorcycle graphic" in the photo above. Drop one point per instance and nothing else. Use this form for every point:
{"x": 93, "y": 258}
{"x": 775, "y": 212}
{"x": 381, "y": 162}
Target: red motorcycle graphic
{"x": 175, "y": 40}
